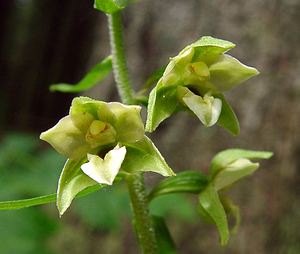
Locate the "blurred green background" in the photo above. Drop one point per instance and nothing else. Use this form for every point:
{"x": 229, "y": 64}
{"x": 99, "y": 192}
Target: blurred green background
{"x": 50, "y": 41}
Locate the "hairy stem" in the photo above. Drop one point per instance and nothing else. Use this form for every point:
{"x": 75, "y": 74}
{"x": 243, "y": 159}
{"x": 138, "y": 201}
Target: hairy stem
{"x": 141, "y": 216}
{"x": 119, "y": 59}
{"x": 142, "y": 220}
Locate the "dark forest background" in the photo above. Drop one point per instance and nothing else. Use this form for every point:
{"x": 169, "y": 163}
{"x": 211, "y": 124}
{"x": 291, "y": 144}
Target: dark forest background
{"x": 49, "y": 41}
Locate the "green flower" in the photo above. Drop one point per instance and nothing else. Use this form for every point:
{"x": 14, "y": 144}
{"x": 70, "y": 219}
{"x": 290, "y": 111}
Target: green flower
{"x": 92, "y": 126}
{"x": 100, "y": 139}
{"x": 195, "y": 80}
{"x": 227, "y": 167}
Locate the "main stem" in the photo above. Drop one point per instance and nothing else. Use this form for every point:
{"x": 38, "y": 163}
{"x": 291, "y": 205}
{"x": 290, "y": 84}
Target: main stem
{"x": 119, "y": 59}
{"x": 141, "y": 217}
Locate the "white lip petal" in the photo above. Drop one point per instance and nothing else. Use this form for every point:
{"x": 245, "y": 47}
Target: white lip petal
{"x": 105, "y": 170}
{"x": 207, "y": 109}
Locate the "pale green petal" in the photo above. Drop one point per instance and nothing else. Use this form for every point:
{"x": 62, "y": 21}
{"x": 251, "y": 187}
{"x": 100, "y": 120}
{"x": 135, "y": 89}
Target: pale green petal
{"x": 83, "y": 111}
{"x": 128, "y": 124}
{"x": 224, "y": 158}
{"x": 234, "y": 172}
{"x": 105, "y": 170}
{"x": 207, "y": 109}
{"x": 228, "y": 72}
{"x": 67, "y": 139}
{"x": 175, "y": 70}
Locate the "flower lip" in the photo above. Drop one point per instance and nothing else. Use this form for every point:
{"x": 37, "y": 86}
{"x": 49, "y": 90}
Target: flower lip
{"x": 105, "y": 170}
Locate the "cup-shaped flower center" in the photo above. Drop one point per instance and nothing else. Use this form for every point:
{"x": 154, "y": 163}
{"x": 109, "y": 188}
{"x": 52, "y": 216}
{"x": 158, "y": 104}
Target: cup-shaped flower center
{"x": 200, "y": 69}
{"x": 100, "y": 133}
{"x": 97, "y": 127}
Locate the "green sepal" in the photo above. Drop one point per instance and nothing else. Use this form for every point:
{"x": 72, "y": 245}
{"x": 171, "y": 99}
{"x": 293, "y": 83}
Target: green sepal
{"x": 228, "y": 119}
{"x": 224, "y": 158}
{"x": 152, "y": 79}
{"x": 111, "y": 6}
{"x": 234, "y": 210}
{"x": 164, "y": 239}
{"x": 228, "y": 72}
{"x": 98, "y": 73}
{"x": 72, "y": 180}
{"x": 144, "y": 156}
{"x": 73, "y": 146}
{"x": 208, "y": 49}
{"x": 187, "y": 181}
{"x": 162, "y": 103}
{"x": 210, "y": 203}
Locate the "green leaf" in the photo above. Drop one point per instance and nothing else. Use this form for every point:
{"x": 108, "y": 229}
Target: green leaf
{"x": 224, "y": 158}
{"x": 72, "y": 180}
{"x": 98, "y": 73}
{"x": 187, "y": 181}
{"x": 144, "y": 156}
{"x": 211, "y": 204}
{"x": 24, "y": 203}
{"x": 162, "y": 103}
{"x": 110, "y": 6}
{"x": 228, "y": 119}
{"x": 164, "y": 239}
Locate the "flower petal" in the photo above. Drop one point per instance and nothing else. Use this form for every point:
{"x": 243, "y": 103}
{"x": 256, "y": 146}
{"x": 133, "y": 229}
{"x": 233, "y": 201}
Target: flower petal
{"x": 128, "y": 124}
{"x": 105, "y": 170}
{"x": 233, "y": 172}
{"x": 67, "y": 139}
{"x": 207, "y": 109}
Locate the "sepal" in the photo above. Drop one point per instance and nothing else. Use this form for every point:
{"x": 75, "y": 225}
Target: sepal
{"x": 144, "y": 156}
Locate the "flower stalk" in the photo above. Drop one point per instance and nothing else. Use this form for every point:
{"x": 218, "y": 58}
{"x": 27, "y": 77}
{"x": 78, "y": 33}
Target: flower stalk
{"x": 141, "y": 216}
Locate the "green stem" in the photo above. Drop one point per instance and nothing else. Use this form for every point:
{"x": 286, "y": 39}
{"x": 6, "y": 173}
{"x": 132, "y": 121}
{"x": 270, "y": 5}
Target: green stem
{"x": 119, "y": 59}
{"x": 142, "y": 220}
{"x": 141, "y": 216}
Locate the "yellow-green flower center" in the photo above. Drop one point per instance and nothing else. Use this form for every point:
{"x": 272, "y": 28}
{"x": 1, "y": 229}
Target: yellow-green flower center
{"x": 200, "y": 69}
{"x": 97, "y": 127}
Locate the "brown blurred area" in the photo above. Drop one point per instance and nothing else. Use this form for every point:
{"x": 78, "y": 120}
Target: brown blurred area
{"x": 50, "y": 41}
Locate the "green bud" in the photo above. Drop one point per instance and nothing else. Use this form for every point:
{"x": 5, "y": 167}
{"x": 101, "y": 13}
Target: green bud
{"x": 231, "y": 165}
